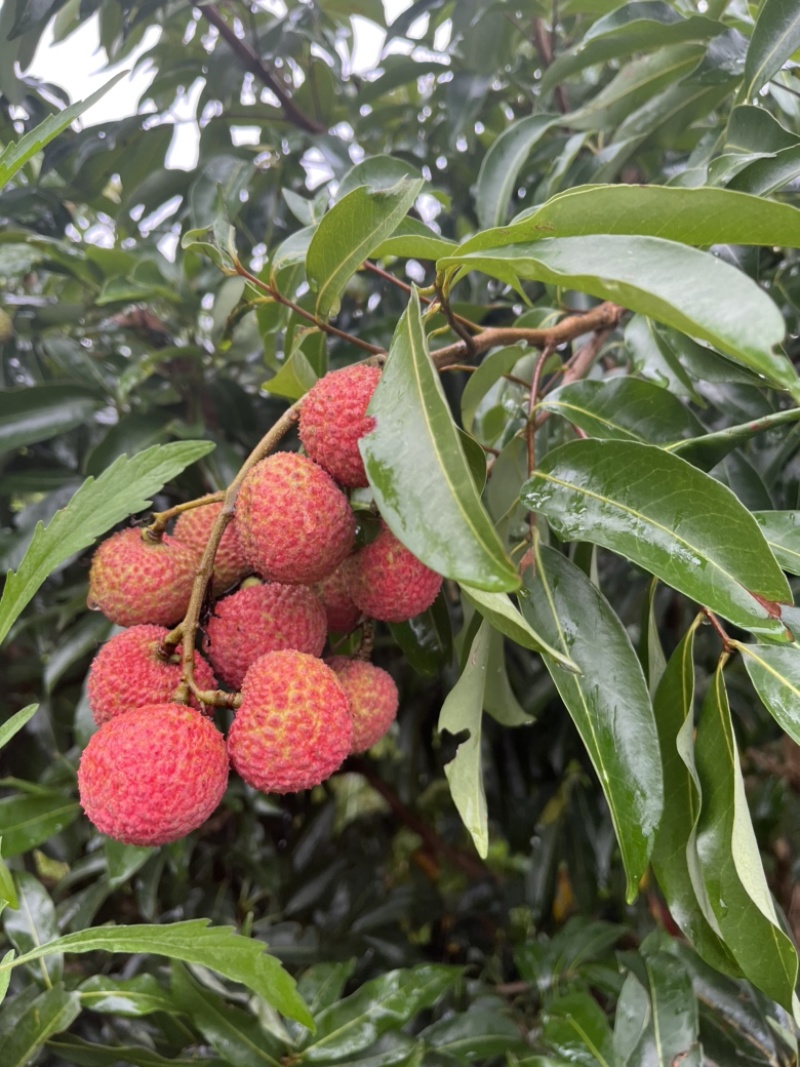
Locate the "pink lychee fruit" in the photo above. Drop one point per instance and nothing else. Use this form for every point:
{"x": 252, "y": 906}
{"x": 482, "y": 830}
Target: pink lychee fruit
{"x": 373, "y": 699}
{"x": 153, "y": 775}
{"x": 193, "y": 528}
{"x": 129, "y": 671}
{"x": 294, "y": 523}
{"x": 389, "y": 582}
{"x": 334, "y": 592}
{"x": 333, "y": 417}
{"x": 135, "y": 580}
{"x": 294, "y": 727}
{"x": 260, "y": 619}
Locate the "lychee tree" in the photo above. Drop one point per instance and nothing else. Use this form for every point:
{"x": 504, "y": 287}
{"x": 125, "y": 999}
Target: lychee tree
{"x": 430, "y": 466}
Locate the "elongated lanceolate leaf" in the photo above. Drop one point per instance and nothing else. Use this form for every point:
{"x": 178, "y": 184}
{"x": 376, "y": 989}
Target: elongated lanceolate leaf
{"x": 776, "y": 37}
{"x": 419, "y": 473}
{"x": 15, "y": 723}
{"x": 50, "y": 1013}
{"x": 506, "y": 618}
{"x": 669, "y": 518}
{"x": 675, "y": 860}
{"x": 242, "y": 959}
{"x": 683, "y": 287}
{"x": 502, "y": 164}
{"x": 349, "y": 232}
{"x": 730, "y": 860}
{"x": 708, "y": 450}
{"x": 41, "y": 412}
{"x": 609, "y": 702}
{"x": 782, "y": 532}
{"x": 775, "y": 673}
{"x": 125, "y": 488}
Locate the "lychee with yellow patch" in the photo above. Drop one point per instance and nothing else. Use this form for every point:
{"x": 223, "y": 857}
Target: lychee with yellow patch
{"x": 333, "y": 418}
{"x": 373, "y": 699}
{"x": 193, "y": 528}
{"x": 389, "y": 583}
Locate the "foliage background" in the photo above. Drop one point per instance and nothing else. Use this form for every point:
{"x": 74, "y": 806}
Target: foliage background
{"x": 409, "y": 948}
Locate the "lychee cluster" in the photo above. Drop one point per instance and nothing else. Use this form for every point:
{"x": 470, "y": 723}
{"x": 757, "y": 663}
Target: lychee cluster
{"x": 286, "y": 575}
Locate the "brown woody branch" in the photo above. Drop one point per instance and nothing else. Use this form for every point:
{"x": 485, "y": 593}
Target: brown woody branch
{"x": 544, "y": 47}
{"x": 252, "y": 63}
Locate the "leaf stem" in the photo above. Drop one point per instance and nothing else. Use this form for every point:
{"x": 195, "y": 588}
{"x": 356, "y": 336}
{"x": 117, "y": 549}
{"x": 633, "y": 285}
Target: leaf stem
{"x": 162, "y": 518}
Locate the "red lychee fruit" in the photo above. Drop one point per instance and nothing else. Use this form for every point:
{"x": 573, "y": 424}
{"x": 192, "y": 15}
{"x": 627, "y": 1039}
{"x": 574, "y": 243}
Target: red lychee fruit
{"x": 294, "y": 523}
{"x": 153, "y": 775}
{"x": 294, "y": 727}
{"x": 333, "y": 417}
{"x": 389, "y": 582}
{"x": 134, "y": 580}
{"x": 261, "y": 619}
{"x": 129, "y": 672}
{"x": 373, "y": 699}
{"x": 334, "y": 592}
{"x": 193, "y": 528}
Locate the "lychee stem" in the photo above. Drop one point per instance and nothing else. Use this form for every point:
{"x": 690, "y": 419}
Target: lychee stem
{"x": 162, "y": 518}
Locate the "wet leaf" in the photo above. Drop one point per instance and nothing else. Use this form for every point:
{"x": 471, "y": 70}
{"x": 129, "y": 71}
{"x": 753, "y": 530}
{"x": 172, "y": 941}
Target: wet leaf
{"x": 775, "y": 674}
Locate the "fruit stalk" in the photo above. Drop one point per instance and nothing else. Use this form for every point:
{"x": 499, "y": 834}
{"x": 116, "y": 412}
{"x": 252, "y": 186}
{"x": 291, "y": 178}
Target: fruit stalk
{"x": 161, "y": 519}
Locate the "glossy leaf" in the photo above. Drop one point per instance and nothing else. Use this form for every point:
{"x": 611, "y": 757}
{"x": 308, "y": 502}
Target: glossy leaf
{"x": 50, "y": 1013}
{"x": 669, "y": 518}
{"x": 776, "y": 36}
{"x": 490, "y": 370}
{"x": 608, "y": 702}
{"x": 474, "y": 1035}
{"x": 129, "y": 997}
{"x": 730, "y": 860}
{"x": 13, "y": 725}
{"x": 657, "y": 1015}
{"x": 782, "y": 532}
{"x": 506, "y": 618}
{"x": 710, "y": 449}
{"x": 463, "y": 711}
{"x": 75, "y": 1050}
{"x": 124, "y": 489}
{"x": 575, "y": 1028}
{"x": 349, "y": 233}
{"x": 503, "y": 162}
{"x": 775, "y": 674}
{"x": 419, "y": 474}
{"x": 219, "y": 948}
{"x": 32, "y": 923}
{"x": 41, "y": 412}
{"x": 676, "y": 285}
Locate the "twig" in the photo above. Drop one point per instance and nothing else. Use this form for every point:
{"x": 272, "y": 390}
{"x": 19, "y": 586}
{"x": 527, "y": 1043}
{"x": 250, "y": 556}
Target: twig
{"x": 388, "y": 277}
{"x": 544, "y": 47}
{"x": 162, "y": 518}
{"x": 723, "y": 636}
{"x": 577, "y": 368}
{"x": 457, "y": 327}
{"x": 251, "y": 62}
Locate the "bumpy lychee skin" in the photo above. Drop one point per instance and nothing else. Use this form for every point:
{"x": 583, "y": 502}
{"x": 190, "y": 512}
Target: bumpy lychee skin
{"x": 294, "y": 523}
{"x": 153, "y": 775}
{"x": 261, "y": 619}
{"x": 294, "y": 727}
{"x": 134, "y": 580}
{"x": 334, "y": 416}
{"x": 193, "y": 527}
{"x": 129, "y": 672}
{"x": 389, "y": 582}
{"x": 334, "y": 592}
{"x": 373, "y": 699}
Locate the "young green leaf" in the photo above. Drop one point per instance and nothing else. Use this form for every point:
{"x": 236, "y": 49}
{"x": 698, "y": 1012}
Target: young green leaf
{"x": 776, "y": 36}
{"x": 124, "y": 489}
{"x": 730, "y": 860}
{"x": 679, "y": 286}
{"x": 349, "y": 233}
{"x": 669, "y": 518}
{"x": 609, "y": 702}
{"x": 419, "y": 473}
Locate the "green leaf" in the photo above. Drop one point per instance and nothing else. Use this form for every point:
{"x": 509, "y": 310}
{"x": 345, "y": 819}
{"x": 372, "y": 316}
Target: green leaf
{"x": 13, "y": 725}
{"x": 682, "y": 287}
{"x": 419, "y": 473}
{"x": 41, "y": 412}
{"x": 50, "y": 1013}
{"x": 503, "y": 162}
{"x": 349, "y": 233}
{"x": 33, "y": 922}
{"x": 16, "y": 155}
{"x": 353, "y": 1025}
{"x": 608, "y": 702}
{"x": 218, "y": 241}
{"x": 776, "y": 36}
{"x": 499, "y": 700}
{"x": 669, "y": 518}
{"x": 479, "y": 1034}
{"x": 708, "y": 450}
{"x": 82, "y": 1053}
{"x": 124, "y": 489}
{"x": 131, "y": 998}
{"x": 506, "y": 618}
{"x": 574, "y": 1026}
{"x": 657, "y": 1014}
{"x": 675, "y": 861}
{"x": 8, "y": 891}
{"x": 730, "y": 859}
{"x": 651, "y": 652}
{"x": 782, "y": 532}
{"x": 624, "y": 409}
{"x": 220, "y": 948}
{"x": 412, "y": 239}
{"x": 775, "y": 674}
{"x": 123, "y": 861}
{"x": 29, "y": 821}
{"x": 463, "y": 710}
{"x": 489, "y": 371}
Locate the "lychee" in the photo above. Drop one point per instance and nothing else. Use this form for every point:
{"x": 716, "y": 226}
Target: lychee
{"x": 389, "y": 582}
{"x": 129, "y": 671}
{"x": 153, "y": 775}
{"x": 294, "y": 523}
{"x": 260, "y": 619}
{"x": 136, "y": 580}
{"x": 193, "y": 528}
{"x": 333, "y": 417}
{"x": 294, "y": 727}
{"x": 334, "y": 592}
{"x": 373, "y": 699}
